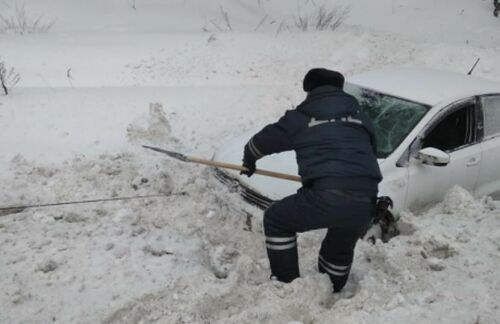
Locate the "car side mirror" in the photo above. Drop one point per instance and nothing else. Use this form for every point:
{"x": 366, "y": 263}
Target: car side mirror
{"x": 433, "y": 156}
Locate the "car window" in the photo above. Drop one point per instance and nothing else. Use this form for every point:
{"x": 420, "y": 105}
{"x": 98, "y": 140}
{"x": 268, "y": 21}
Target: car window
{"x": 491, "y": 113}
{"x": 454, "y": 130}
{"x": 393, "y": 118}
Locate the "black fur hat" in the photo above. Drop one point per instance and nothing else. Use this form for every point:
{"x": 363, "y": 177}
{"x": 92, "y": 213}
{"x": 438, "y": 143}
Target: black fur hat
{"x": 319, "y": 77}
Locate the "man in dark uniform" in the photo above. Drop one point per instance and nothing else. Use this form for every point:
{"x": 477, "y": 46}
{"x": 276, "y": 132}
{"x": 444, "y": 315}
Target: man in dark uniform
{"x": 336, "y": 153}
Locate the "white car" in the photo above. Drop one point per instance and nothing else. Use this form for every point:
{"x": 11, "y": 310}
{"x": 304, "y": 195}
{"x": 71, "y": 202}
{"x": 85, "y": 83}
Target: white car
{"x": 434, "y": 130}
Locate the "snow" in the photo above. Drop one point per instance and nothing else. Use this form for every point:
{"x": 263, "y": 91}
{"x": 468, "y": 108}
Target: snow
{"x": 426, "y": 86}
{"x": 107, "y": 79}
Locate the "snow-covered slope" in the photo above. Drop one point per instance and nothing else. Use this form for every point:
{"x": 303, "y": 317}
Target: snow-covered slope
{"x": 107, "y": 78}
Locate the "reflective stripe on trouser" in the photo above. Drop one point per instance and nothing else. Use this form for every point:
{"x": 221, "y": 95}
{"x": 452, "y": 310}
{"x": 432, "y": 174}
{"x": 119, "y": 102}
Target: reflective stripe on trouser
{"x": 281, "y": 243}
{"x": 309, "y": 210}
{"x": 336, "y": 255}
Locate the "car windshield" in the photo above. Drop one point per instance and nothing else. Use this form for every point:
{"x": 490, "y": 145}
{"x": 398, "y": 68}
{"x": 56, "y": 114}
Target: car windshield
{"x": 392, "y": 117}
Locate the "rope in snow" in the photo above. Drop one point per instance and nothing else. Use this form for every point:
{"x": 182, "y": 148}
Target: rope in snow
{"x": 18, "y": 209}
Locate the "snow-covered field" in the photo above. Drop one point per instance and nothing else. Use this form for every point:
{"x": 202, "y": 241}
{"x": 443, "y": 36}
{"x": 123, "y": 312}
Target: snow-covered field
{"x": 107, "y": 78}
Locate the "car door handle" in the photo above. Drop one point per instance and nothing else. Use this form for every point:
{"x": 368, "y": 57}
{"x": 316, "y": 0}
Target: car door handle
{"x": 473, "y": 161}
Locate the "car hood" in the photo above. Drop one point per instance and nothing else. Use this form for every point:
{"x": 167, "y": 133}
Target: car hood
{"x": 273, "y": 188}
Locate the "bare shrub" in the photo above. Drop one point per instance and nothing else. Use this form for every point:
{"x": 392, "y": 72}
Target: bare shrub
{"x": 322, "y": 18}
{"x": 282, "y": 26}
{"x": 212, "y": 38}
{"x": 21, "y": 23}
{"x": 218, "y": 25}
{"x": 8, "y": 78}
{"x": 261, "y": 22}
{"x": 225, "y": 15}
{"x": 131, "y": 4}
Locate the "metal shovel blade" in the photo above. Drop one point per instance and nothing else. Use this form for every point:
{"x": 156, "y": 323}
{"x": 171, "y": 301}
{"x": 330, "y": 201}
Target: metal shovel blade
{"x": 172, "y": 154}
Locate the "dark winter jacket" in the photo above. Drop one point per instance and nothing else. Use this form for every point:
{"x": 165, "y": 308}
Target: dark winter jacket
{"x": 332, "y": 139}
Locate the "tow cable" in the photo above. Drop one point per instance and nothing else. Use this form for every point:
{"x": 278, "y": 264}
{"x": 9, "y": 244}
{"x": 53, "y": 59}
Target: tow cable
{"x": 4, "y": 211}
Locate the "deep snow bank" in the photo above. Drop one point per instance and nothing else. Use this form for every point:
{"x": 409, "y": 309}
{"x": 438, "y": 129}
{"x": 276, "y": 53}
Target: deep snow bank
{"x": 201, "y": 258}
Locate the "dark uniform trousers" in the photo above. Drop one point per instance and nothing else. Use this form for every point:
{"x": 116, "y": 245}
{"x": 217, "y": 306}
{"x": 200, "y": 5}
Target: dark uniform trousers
{"x": 345, "y": 214}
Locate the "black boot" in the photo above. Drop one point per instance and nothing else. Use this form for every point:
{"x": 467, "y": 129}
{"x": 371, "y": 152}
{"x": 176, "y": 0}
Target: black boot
{"x": 283, "y": 257}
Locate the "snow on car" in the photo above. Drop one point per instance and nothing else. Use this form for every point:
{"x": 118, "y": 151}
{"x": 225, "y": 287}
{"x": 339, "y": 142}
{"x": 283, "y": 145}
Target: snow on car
{"x": 434, "y": 130}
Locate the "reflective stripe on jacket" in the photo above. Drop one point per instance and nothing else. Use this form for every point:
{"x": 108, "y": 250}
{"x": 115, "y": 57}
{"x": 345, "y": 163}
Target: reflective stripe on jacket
{"x": 328, "y": 132}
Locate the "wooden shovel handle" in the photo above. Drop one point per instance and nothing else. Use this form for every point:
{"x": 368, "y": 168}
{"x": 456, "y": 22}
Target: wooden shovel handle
{"x": 237, "y": 167}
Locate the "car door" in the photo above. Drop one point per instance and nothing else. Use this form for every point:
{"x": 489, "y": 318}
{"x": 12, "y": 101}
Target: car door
{"x": 454, "y": 131}
{"x": 489, "y": 174}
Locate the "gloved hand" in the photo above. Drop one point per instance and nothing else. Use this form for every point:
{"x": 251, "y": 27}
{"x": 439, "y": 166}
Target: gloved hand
{"x": 251, "y": 169}
{"x": 248, "y": 162}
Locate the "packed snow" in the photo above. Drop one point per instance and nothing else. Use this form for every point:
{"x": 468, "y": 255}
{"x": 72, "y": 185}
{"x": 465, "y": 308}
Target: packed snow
{"x": 110, "y": 76}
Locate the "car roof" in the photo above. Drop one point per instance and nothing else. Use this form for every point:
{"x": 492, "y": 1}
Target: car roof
{"x": 424, "y": 85}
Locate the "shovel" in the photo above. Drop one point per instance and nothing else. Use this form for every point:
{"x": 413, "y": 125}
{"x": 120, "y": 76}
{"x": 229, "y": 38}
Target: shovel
{"x": 185, "y": 158}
